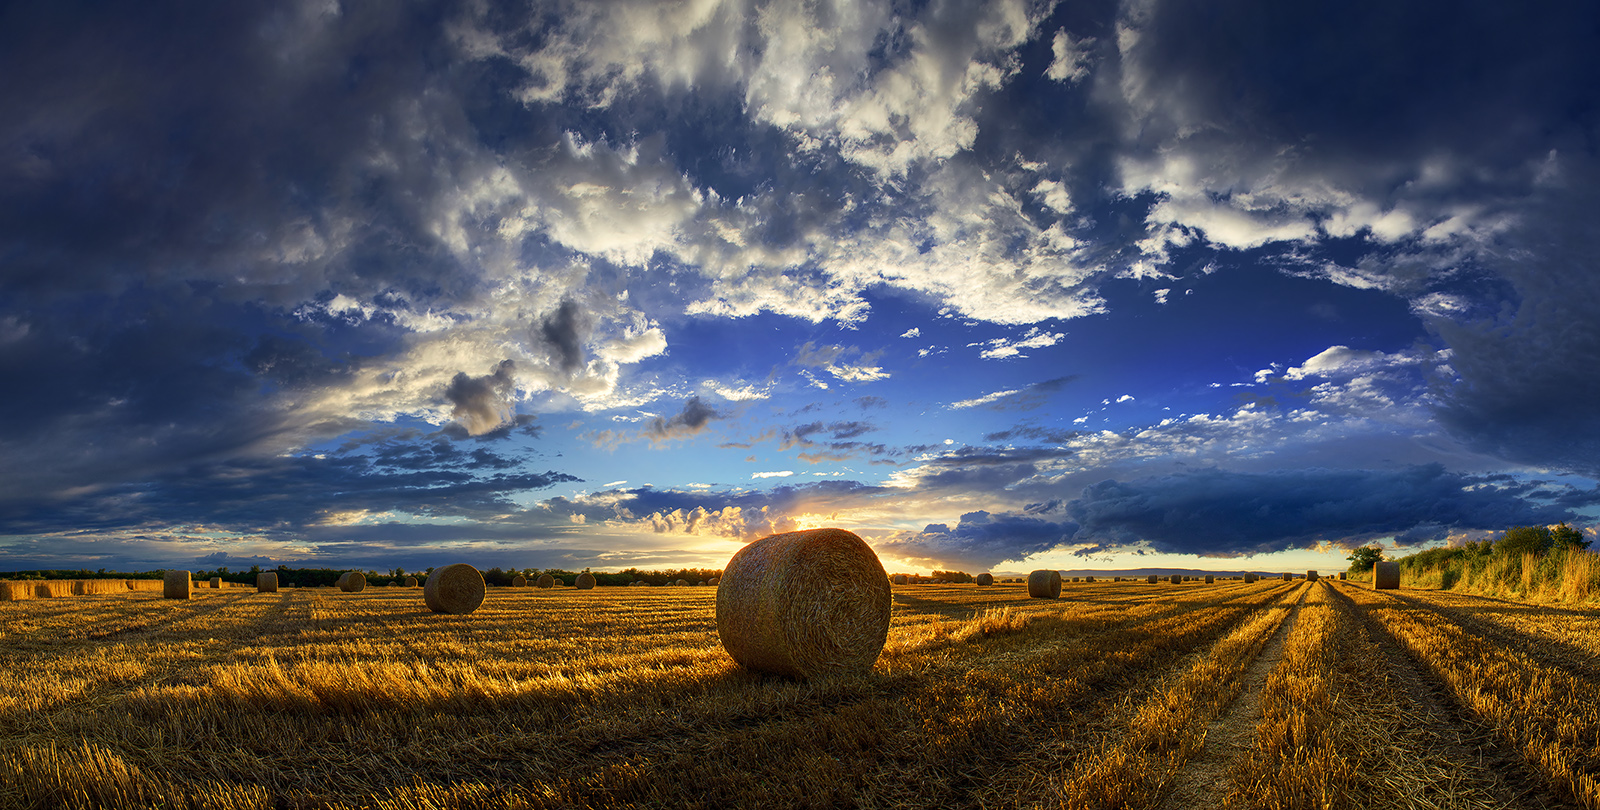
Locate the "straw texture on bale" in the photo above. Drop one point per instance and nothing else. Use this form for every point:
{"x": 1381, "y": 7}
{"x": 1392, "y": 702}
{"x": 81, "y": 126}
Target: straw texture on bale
{"x": 16, "y": 591}
{"x": 1386, "y": 576}
{"x": 584, "y": 582}
{"x": 216, "y": 582}
{"x": 1211, "y": 579}
{"x": 985, "y": 579}
{"x": 267, "y": 582}
{"x": 352, "y": 582}
{"x": 519, "y": 581}
{"x": 175, "y": 585}
{"x": 804, "y": 604}
{"x": 1044, "y": 584}
{"x": 545, "y": 581}
{"x": 457, "y": 589}
{"x": 1311, "y": 576}
{"x": 1152, "y": 579}
{"x": 901, "y": 579}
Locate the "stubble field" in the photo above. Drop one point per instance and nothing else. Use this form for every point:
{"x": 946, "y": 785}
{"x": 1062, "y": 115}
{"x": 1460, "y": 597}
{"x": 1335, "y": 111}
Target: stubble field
{"x": 1273, "y": 694}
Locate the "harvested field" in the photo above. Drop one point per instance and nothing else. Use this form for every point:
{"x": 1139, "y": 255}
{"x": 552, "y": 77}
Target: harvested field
{"x": 1281, "y": 694}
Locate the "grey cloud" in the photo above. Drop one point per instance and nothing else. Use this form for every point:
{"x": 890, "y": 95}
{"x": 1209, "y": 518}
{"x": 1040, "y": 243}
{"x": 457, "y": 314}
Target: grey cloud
{"x": 483, "y": 404}
{"x": 981, "y": 540}
{"x": 694, "y": 417}
{"x": 565, "y": 331}
{"x": 1216, "y": 513}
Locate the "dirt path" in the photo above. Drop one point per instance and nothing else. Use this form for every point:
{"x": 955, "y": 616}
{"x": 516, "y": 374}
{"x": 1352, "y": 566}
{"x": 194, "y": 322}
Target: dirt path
{"x": 1232, "y": 734}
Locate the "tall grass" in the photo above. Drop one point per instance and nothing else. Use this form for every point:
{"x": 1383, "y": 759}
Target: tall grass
{"x": 1562, "y": 575}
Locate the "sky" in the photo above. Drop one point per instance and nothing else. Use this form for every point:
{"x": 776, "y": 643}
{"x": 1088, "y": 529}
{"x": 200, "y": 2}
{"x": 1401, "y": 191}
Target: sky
{"x": 997, "y": 286}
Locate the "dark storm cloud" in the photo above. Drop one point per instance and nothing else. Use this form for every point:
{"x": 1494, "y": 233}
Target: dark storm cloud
{"x": 280, "y": 496}
{"x": 1033, "y": 433}
{"x": 565, "y": 331}
{"x": 482, "y": 404}
{"x": 694, "y": 417}
{"x": 981, "y": 540}
{"x": 1216, "y": 513}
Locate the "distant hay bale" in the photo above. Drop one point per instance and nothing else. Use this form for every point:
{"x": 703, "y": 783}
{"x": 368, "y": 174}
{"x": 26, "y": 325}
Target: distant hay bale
{"x": 804, "y": 604}
{"x": 1044, "y": 584}
{"x": 1176, "y": 579}
{"x": 519, "y": 581}
{"x": 176, "y": 585}
{"x": 1249, "y": 578}
{"x": 216, "y": 582}
{"x": 683, "y": 583}
{"x": 1342, "y": 575}
{"x": 714, "y": 581}
{"x": 411, "y": 582}
{"x": 1386, "y": 576}
{"x": 545, "y": 581}
{"x": 584, "y": 582}
{"x": 1288, "y": 577}
{"x": 352, "y": 582}
{"x": 1311, "y": 576}
{"x": 456, "y": 589}
{"x": 1152, "y": 579}
{"x": 267, "y": 582}
{"x": 1077, "y": 579}
{"x": 901, "y": 579}
{"x": 1211, "y": 579}
{"x": 1088, "y": 579}
{"x": 984, "y": 579}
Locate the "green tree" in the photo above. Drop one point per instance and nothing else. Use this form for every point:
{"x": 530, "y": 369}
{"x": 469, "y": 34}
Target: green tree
{"x": 1520, "y": 540}
{"x": 1362, "y": 559}
{"x": 1565, "y": 536}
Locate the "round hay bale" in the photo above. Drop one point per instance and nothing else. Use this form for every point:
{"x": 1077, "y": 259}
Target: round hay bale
{"x": 901, "y": 579}
{"x": 1311, "y": 576}
{"x": 519, "y": 581}
{"x": 545, "y": 581}
{"x": 1288, "y": 577}
{"x": 1176, "y": 579}
{"x": 804, "y": 603}
{"x": 1152, "y": 579}
{"x": 1088, "y": 579}
{"x": 267, "y": 582}
{"x": 1044, "y": 584}
{"x": 176, "y": 585}
{"x": 584, "y": 582}
{"x": 984, "y": 579}
{"x": 683, "y": 583}
{"x": 1249, "y": 578}
{"x": 411, "y": 582}
{"x": 457, "y": 589}
{"x": 1386, "y": 576}
{"x": 216, "y": 582}
{"x": 352, "y": 582}
{"x": 1210, "y": 579}
{"x": 714, "y": 581}
{"x": 1342, "y": 575}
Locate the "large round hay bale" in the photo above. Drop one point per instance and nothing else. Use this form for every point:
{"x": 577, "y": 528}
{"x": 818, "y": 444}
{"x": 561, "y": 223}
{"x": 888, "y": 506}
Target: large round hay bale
{"x": 1386, "y": 576}
{"x": 901, "y": 579}
{"x": 1211, "y": 579}
{"x": 984, "y": 579}
{"x": 1176, "y": 579}
{"x": 175, "y": 585}
{"x": 216, "y": 582}
{"x": 1152, "y": 579}
{"x": 1311, "y": 576}
{"x": 352, "y": 582}
{"x": 804, "y": 603}
{"x": 584, "y": 582}
{"x": 456, "y": 589}
{"x": 267, "y": 582}
{"x": 519, "y": 581}
{"x": 411, "y": 582}
{"x": 1044, "y": 584}
{"x": 545, "y": 581}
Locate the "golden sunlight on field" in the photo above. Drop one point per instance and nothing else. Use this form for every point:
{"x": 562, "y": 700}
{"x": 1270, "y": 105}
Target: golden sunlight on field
{"x": 1118, "y": 694}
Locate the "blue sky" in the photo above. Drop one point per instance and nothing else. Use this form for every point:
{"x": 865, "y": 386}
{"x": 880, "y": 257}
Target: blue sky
{"x": 998, "y": 286}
